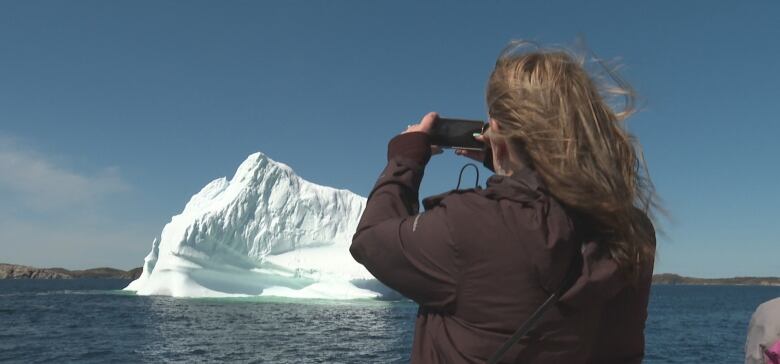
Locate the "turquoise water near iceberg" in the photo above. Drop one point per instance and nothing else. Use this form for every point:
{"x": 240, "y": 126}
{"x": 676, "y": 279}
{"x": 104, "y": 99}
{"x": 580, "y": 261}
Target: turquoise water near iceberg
{"x": 89, "y": 321}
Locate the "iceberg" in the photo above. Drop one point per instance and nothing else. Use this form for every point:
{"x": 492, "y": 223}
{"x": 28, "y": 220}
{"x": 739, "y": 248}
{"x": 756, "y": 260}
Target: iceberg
{"x": 266, "y": 232}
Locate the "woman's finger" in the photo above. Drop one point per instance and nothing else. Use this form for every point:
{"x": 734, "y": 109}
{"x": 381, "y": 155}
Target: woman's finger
{"x": 472, "y": 154}
{"x": 426, "y": 124}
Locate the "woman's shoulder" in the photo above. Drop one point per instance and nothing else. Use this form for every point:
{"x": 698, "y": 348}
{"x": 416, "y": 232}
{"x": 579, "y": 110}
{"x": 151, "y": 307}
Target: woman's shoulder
{"x": 476, "y": 206}
{"x": 454, "y": 197}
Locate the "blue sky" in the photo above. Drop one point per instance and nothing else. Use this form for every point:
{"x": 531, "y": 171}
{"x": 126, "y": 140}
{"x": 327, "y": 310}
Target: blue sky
{"x": 112, "y": 114}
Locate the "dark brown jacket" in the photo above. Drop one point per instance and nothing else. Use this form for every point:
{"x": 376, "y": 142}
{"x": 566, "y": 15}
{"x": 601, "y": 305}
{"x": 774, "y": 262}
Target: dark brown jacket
{"x": 480, "y": 261}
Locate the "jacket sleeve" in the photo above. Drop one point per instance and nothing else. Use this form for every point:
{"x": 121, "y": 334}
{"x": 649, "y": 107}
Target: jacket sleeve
{"x": 409, "y": 252}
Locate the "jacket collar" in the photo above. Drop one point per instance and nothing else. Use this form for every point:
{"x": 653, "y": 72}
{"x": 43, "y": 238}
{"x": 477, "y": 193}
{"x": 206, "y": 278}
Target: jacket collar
{"x": 526, "y": 177}
{"x": 524, "y": 186}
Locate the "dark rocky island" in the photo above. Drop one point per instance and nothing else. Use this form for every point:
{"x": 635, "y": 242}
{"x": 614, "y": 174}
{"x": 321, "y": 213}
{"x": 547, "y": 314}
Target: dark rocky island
{"x": 13, "y": 271}
{"x": 674, "y": 279}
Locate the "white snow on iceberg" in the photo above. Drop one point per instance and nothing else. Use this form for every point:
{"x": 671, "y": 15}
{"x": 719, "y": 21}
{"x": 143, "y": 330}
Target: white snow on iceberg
{"x": 264, "y": 232}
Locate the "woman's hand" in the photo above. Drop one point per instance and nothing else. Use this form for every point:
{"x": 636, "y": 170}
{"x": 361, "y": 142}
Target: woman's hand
{"x": 477, "y": 155}
{"x": 425, "y": 126}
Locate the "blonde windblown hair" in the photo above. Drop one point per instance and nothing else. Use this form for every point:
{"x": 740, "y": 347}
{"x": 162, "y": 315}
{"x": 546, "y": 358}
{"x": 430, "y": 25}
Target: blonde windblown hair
{"x": 551, "y": 111}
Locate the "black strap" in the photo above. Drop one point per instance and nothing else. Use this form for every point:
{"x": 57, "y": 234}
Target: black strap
{"x": 460, "y": 175}
{"x": 531, "y": 321}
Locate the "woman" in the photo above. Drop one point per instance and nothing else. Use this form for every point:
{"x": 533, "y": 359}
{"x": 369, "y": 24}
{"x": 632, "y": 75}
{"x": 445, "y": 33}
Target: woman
{"x": 570, "y": 192}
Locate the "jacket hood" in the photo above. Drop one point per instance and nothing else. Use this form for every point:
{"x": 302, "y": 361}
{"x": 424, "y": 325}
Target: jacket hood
{"x": 599, "y": 279}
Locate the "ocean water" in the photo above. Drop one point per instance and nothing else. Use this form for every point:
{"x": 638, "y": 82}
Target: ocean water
{"x": 91, "y": 321}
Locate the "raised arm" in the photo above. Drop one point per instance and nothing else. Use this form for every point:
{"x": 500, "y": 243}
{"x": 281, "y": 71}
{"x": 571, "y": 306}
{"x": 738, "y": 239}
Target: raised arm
{"x": 409, "y": 252}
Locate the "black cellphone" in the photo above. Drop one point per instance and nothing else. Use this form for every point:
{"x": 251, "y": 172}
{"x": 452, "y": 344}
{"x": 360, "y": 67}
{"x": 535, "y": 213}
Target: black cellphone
{"x": 457, "y": 133}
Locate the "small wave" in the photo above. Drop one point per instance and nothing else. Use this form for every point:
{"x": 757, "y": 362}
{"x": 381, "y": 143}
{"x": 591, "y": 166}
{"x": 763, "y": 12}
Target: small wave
{"x": 96, "y": 354}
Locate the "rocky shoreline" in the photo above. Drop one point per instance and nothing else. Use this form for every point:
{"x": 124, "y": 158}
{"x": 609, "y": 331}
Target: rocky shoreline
{"x": 676, "y": 279}
{"x": 14, "y": 271}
